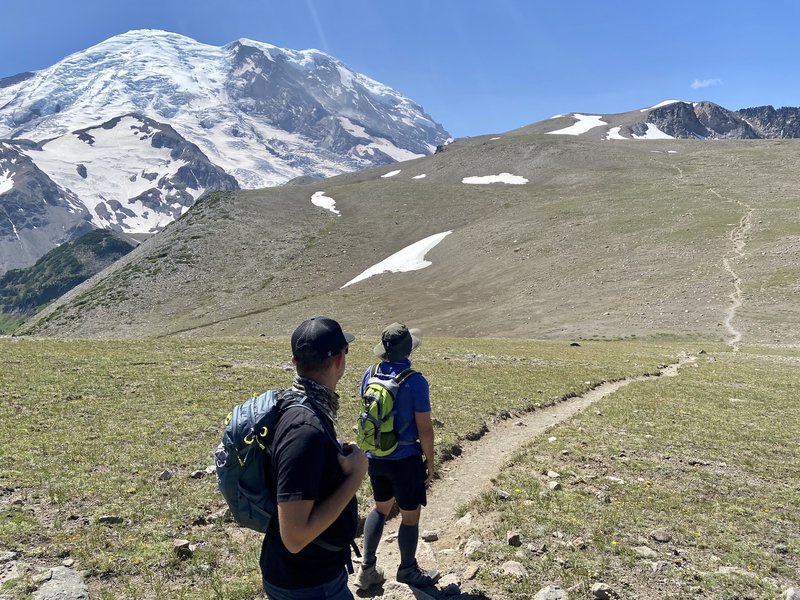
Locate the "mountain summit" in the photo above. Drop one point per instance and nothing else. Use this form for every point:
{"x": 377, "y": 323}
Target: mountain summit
{"x": 140, "y": 125}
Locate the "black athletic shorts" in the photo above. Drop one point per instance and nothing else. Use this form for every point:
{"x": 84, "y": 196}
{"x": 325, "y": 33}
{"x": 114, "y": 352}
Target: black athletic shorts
{"x": 403, "y": 480}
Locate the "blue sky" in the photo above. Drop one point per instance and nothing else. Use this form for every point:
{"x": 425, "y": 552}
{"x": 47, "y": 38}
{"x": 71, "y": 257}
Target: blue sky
{"x": 475, "y": 66}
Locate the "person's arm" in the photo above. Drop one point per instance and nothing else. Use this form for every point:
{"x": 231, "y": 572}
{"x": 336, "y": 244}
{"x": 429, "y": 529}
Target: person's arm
{"x": 302, "y": 521}
{"x": 425, "y": 432}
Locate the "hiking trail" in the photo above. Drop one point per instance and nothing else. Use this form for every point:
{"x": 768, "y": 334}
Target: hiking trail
{"x": 466, "y": 476}
{"x": 737, "y": 238}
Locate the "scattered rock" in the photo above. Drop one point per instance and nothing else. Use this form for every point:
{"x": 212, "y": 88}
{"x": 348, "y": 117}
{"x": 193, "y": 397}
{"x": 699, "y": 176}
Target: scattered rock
{"x": 198, "y": 474}
{"x": 110, "y": 519}
{"x": 579, "y": 543}
{"x": 781, "y": 549}
{"x": 224, "y": 514}
{"x": 6, "y": 557}
{"x": 575, "y": 344}
{"x": 68, "y": 562}
{"x": 465, "y": 521}
{"x": 165, "y": 475}
{"x": 539, "y": 548}
{"x": 429, "y": 536}
{"x": 450, "y": 589}
{"x": 554, "y": 485}
{"x": 661, "y": 566}
{"x": 211, "y": 469}
{"x": 661, "y": 535}
{"x": 514, "y": 569}
{"x": 450, "y": 585}
{"x": 602, "y": 591}
{"x": 183, "y": 549}
{"x": 394, "y": 590}
{"x": 472, "y": 546}
{"x": 792, "y": 594}
{"x": 8, "y": 571}
{"x": 513, "y": 539}
{"x": 62, "y": 583}
{"x": 471, "y": 572}
{"x": 735, "y": 571}
{"x": 617, "y": 480}
{"x": 645, "y": 552}
{"x": 553, "y": 474}
{"x": 502, "y": 494}
{"x": 603, "y": 498}
{"x": 392, "y": 537}
{"x": 552, "y": 439}
{"x": 551, "y": 592}
{"x": 437, "y": 423}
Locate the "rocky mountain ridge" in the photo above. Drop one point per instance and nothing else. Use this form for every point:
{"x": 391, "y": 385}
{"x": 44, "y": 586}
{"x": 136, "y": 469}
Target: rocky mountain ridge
{"x": 680, "y": 119}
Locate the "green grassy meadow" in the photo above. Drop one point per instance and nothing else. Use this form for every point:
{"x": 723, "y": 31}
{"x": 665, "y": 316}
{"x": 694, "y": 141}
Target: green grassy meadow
{"x": 708, "y": 456}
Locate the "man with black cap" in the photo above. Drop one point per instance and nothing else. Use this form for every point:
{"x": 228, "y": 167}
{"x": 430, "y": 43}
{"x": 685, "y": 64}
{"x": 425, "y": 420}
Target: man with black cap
{"x": 315, "y": 477}
{"x": 403, "y": 475}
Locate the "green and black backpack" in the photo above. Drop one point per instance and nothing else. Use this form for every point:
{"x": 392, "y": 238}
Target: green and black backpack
{"x": 375, "y": 431}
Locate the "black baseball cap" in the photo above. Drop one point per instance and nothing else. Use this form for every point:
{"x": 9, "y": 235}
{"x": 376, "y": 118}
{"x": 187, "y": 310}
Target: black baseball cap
{"x": 318, "y": 338}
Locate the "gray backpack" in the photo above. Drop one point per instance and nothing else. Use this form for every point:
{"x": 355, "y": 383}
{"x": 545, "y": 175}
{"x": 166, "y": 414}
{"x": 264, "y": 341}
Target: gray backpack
{"x": 242, "y": 458}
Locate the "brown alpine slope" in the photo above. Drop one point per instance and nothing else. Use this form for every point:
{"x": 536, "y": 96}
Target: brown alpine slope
{"x": 607, "y": 238}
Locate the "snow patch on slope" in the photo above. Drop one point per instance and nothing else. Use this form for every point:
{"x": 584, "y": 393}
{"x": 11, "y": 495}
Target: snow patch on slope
{"x": 6, "y": 182}
{"x": 660, "y": 104}
{"x": 410, "y": 258}
{"x": 501, "y": 178}
{"x": 326, "y": 202}
{"x": 584, "y": 124}
{"x": 653, "y": 133}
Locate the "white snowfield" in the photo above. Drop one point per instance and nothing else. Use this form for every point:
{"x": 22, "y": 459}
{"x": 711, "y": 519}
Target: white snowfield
{"x": 6, "y": 182}
{"x": 584, "y": 124}
{"x": 410, "y": 258}
{"x": 390, "y": 174}
{"x": 103, "y": 158}
{"x": 173, "y": 78}
{"x": 326, "y": 202}
{"x": 614, "y": 134}
{"x": 653, "y": 133}
{"x": 664, "y": 103}
{"x": 381, "y": 144}
{"x": 501, "y": 178}
{"x": 421, "y": 176}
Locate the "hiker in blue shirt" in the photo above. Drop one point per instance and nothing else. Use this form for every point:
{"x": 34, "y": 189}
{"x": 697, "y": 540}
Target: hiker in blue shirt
{"x": 403, "y": 475}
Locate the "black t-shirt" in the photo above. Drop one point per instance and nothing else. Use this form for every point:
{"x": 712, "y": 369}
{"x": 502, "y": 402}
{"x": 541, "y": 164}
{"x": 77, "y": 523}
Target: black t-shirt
{"x": 305, "y": 467}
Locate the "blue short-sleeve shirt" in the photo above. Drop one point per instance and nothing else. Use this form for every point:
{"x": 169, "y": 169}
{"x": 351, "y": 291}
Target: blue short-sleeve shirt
{"x": 412, "y": 397}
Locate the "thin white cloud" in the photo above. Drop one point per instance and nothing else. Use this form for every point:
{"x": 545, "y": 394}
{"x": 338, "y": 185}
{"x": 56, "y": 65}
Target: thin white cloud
{"x": 704, "y": 83}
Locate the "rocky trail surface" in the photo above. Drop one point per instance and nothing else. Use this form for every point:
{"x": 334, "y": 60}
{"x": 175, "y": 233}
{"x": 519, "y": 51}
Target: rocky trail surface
{"x": 464, "y": 478}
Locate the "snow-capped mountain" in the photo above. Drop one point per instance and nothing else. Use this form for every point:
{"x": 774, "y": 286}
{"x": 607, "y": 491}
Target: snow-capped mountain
{"x": 137, "y": 127}
{"x": 262, "y": 113}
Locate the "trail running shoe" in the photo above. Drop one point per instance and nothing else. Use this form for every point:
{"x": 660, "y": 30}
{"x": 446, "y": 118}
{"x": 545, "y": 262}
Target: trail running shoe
{"x": 369, "y": 576}
{"x": 416, "y": 576}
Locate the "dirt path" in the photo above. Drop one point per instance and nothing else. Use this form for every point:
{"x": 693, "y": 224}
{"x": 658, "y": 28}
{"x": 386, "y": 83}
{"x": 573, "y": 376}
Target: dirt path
{"x": 738, "y": 238}
{"x": 465, "y": 477}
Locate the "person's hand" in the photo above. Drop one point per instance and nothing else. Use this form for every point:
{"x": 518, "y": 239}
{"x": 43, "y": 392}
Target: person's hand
{"x": 429, "y": 470}
{"x": 353, "y": 461}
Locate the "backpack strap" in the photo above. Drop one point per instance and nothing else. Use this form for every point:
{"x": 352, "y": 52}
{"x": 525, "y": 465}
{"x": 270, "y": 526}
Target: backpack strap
{"x": 400, "y": 378}
{"x": 403, "y": 375}
{"x": 291, "y": 398}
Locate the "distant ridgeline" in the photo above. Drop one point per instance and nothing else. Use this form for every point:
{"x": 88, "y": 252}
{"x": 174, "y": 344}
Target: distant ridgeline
{"x": 24, "y": 291}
